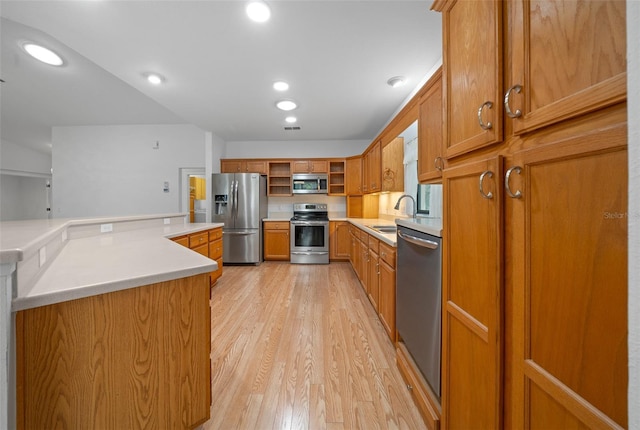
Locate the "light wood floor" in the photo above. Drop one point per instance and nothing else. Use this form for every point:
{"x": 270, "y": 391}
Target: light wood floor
{"x": 300, "y": 347}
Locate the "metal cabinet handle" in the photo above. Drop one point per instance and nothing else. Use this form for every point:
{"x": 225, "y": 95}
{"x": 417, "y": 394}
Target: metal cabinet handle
{"x": 507, "y": 176}
{"x": 488, "y": 125}
{"x": 488, "y": 173}
{"x": 518, "y": 113}
{"x": 438, "y": 163}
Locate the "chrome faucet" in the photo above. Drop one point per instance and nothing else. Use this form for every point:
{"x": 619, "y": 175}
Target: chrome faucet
{"x": 415, "y": 208}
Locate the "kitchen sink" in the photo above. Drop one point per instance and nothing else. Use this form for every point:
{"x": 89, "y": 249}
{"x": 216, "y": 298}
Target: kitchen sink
{"x": 383, "y": 228}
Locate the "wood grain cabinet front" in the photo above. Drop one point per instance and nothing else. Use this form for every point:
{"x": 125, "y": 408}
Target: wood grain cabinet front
{"x": 134, "y": 358}
{"x": 207, "y": 243}
{"x": 276, "y": 240}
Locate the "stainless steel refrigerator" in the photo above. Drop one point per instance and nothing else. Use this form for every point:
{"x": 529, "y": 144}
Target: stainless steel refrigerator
{"x": 240, "y": 202}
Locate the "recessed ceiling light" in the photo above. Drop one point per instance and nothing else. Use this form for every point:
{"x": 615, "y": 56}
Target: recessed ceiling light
{"x": 396, "y": 81}
{"x": 291, "y": 119}
{"x": 154, "y": 78}
{"x": 280, "y": 86}
{"x": 43, "y": 54}
{"x": 286, "y": 105}
{"x": 258, "y": 11}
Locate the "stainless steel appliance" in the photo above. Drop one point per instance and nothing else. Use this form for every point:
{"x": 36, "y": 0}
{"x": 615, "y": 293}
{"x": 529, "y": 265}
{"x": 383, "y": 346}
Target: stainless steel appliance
{"x": 240, "y": 202}
{"x": 304, "y": 183}
{"x": 418, "y": 300}
{"x": 310, "y": 234}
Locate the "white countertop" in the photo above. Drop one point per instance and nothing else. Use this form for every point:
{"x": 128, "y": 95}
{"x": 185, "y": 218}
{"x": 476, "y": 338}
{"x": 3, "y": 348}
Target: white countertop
{"x": 101, "y": 263}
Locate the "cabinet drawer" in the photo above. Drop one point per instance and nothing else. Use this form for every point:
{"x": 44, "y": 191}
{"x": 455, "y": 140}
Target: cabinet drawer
{"x": 215, "y": 234}
{"x": 388, "y": 254}
{"x": 364, "y": 236}
{"x": 197, "y": 239}
{"x": 202, "y": 249}
{"x": 374, "y": 244}
{"x": 182, "y": 240}
{"x": 276, "y": 225}
{"x": 215, "y": 249}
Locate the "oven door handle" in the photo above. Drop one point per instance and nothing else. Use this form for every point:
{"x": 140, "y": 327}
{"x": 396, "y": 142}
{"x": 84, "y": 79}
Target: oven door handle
{"x": 418, "y": 241}
{"x": 309, "y": 253}
{"x": 309, "y": 222}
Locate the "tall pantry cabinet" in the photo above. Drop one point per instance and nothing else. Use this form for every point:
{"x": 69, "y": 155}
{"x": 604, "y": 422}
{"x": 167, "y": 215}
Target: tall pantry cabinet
{"x": 535, "y": 201}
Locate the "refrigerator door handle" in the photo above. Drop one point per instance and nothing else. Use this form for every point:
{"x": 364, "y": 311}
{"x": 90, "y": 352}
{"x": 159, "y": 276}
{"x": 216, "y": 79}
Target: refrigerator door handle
{"x": 235, "y": 192}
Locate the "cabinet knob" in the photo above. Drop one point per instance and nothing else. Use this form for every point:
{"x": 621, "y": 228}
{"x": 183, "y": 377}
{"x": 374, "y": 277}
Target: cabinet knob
{"x": 438, "y": 163}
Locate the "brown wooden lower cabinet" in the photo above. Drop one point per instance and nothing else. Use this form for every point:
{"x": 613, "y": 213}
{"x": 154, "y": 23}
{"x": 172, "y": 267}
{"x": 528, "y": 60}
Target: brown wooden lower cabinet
{"x": 121, "y": 360}
{"x": 277, "y": 240}
{"x": 207, "y": 243}
{"x": 339, "y": 240}
{"x": 374, "y": 263}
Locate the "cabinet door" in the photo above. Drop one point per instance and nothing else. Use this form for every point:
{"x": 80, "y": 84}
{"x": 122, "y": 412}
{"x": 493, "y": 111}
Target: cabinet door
{"x": 318, "y": 166}
{"x": 339, "y": 240}
{"x": 387, "y": 299}
{"x": 300, "y": 166}
{"x": 569, "y": 277}
{"x": 373, "y": 278}
{"x": 374, "y": 165}
{"x": 230, "y": 166}
{"x": 354, "y": 176}
{"x": 430, "y": 143}
{"x": 276, "y": 244}
{"x": 256, "y": 166}
{"x": 472, "y": 74}
{"x": 472, "y": 296}
{"x": 568, "y": 57}
{"x": 364, "y": 265}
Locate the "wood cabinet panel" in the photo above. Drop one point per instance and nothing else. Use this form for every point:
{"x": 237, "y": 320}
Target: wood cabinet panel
{"x": 339, "y": 240}
{"x": 392, "y": 165}
{"x": 127, "y": 359}
{"x": 354, "y": 176}
{"x": 472, "y": 74}
{"x": 387, "y": 298}
{"x": 472, "y": 296}
{"x": 276, "y": 240}
{"x": 373, "y": 270}
{"x": 310, "y": 166}
{"x": 430, "y": 142}
{"x": 570, "y": 302}
{"x": 243, "y": 166}
{"x": 569, "y": 59}
{"x": 372, "y": 181}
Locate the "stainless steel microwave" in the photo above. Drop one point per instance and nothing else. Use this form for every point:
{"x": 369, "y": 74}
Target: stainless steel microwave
{"x": 305, "y": 183}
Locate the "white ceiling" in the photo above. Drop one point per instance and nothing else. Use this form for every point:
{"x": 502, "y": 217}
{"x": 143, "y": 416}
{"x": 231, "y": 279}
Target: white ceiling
{"x": 219, "y": 66}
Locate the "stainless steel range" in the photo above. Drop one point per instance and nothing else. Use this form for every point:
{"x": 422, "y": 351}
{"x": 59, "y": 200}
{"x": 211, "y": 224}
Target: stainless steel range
{"x": 310, "y": 234}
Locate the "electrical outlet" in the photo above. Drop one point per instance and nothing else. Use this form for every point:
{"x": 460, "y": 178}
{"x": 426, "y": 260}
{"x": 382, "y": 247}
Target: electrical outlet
{"x": 106, "y": 228}
{"x": 167, "y": 220}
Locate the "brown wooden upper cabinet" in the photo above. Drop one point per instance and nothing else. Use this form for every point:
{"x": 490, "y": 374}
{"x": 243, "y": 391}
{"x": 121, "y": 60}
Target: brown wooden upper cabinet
{"x": 430, "y": 143}
{"x": 472, "y": 74}
{"x": 310, "y": 166}
{"x": 371, "y": 182}
{"x": 566, "y": 60}
{"x": 354, "y": 176}
{"x": 547, "y": 48}
{"x": 392, "y": 167}
{"x": 243, "y": 166}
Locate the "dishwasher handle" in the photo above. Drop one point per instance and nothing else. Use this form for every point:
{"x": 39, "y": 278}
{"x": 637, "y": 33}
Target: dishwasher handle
{"x": 425, "y": 243}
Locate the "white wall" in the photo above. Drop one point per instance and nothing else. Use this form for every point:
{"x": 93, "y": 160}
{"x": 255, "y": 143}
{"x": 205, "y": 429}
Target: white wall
{"x": 17, "y": 159}
{"x": 295, "y": 149}
{"x": 633, "y": 82}
{"x": 23, "y": 198}
{"x": 117, "y": 170}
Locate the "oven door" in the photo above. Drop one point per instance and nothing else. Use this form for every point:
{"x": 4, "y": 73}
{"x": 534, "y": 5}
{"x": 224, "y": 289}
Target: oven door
{"x": 310, "y": 242}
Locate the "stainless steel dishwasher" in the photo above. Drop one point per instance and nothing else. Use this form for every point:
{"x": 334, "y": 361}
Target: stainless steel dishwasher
{"x": 418, "y": 300}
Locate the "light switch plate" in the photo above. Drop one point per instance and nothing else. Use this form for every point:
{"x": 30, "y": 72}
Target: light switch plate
{"x": 106, "y": 228}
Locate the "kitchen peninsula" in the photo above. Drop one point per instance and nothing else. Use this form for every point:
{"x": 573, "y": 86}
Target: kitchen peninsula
{"x": 111, "y": 322}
